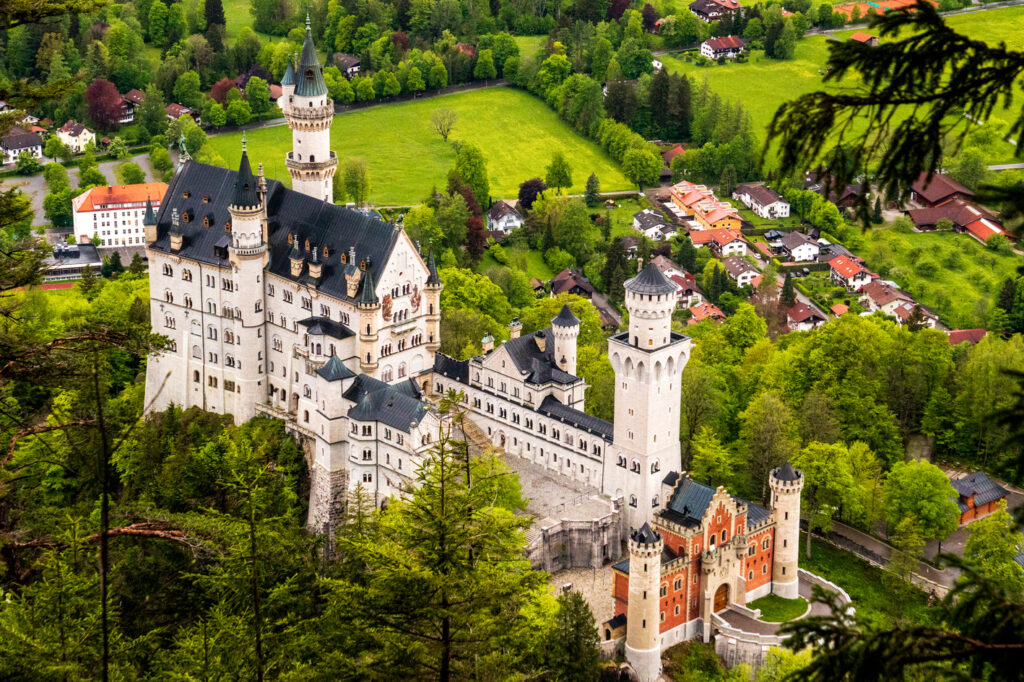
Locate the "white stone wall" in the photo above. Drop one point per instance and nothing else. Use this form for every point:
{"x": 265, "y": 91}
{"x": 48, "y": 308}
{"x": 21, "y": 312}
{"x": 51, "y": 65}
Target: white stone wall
{"x": 115, "y": 227}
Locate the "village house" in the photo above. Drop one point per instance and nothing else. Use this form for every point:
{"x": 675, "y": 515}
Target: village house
{"x": 849, "y": 273}
{"x": 717, "y": 215}
{"x": 762, "y": 200}
{"x": 977, "y": 496}
{"x": 884, "y": 296}
{"x": 176, "y": 111}
{"x": 983, "y": 228}
{"x": 971, "y": 336}
{"x": 630, "y": 244}
{"x": 904, "y": 313}
{"x": 348, "y": 64}
{"x": 800, "y": 247}
{"x": 76, "y": 136}
{"x": 803, "y": 318}
{"x": 937, "y": 190}
{"x": 537, "y": 286}
{"x": 713, "y": 10}
{"x": 69, "y": 260}
{"x": 865, "y": 39}
{"x": 705, "y": 310}
{"x": 672, "y": 153}
{"x": 571, "y": 282}
{"x": 130, "y": 102}
{"x": 726, "y": 47}
{"x": 651, "y": 223}
{"x": 689, "y": 293}
{"x": 957, "y": 211}
{"x": 839, "y": 309}
{"x": 722, "y": 242}
{"x": 740, "y": 270}
{"x": 18, "y": 140}
{"x": 503, "y": 216}
{"x": 685, "y": 195}
{"x": 667, "y": 267}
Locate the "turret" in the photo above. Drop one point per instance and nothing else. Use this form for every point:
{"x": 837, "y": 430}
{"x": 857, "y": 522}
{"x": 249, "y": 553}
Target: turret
{"x": 786, "y": 484}
{"x": 369, "y": 307}
{"x": 643, "y": 621}
{"x": 432, "y": 294}
{"x": 296, "y": 259}
{"x": 650, "y": 300}
{"x": 149, "y": 222}
{"x": 566, "y": 329}
{"x": 288, "y": 81}
{"x": 247, "y": 212}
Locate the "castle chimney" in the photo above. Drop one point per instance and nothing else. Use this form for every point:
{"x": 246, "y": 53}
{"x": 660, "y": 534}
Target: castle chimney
{"x": 175, "y": 231}
{"x": 315, "y": 267}
{"x": 514, "y": 327}
{"x": 487, "y": 344}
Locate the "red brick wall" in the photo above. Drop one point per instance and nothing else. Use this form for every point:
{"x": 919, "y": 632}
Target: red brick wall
{"x": 719, "y": 520}
{"x": 620, "y": 592}
{"x": 762, "y": 557}
{"x": 674, "y": 597}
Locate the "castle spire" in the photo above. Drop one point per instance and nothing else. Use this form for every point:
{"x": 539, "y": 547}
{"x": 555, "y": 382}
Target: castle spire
{"x": 245, "y": 182}
{"x": 309, "y": 78}
{"x": 150, "y": 218}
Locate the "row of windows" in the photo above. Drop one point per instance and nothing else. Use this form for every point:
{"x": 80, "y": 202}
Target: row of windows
{"x": 307, "y": 304}
{"x": 212, "y": 382}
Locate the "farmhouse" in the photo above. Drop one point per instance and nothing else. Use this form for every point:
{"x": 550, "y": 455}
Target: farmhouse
{"x": 740, "y": 270}
{"x": 726, "y": 47}
{"x": 713, "y": 10}
{"x": 937, "y": 190}
{"x": 723, "y": 242}
{"x": 348, "y": 64}
{"x": 651, "y": 223}
{"x": 800, "y": 247}
{"x": 865, "y": 39}
{"x": 957, "y": 211}
{"x": 849, "y": 273}
{"x": 18, "y": 140}
{"x": 803, "y": 318}
{"x": 176, "y": 111}
{"x": 977, "y": 496}
{"x": 76, "y": 136}
{"x": 705, "y": 310}
{"x": 571, "y": 282}
{"x": 762, "y": 200}
{"x": 503, "y": 216}
{"x": 879, "y": 295}
{"x": 672, "y": 153}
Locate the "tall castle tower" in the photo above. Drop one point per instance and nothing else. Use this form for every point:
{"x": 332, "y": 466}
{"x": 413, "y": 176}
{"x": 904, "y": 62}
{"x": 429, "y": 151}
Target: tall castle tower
{"x": 248, "y": 256}
{"x": 432, "y": 297}
{"x": 643, "y": 621}
{"x": 309, "y": 112}
{"x": 786, "y": 484}
{"x": 566, "y": 329}
{"x": 648, "y": 361}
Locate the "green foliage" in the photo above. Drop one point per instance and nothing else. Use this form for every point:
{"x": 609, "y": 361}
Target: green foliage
{"x": 921, "y": 492}
{"x": 558, "y": 260}
{"x": 130, "y": 174}
{"x": 993, "y": 544}
{"x": 472, "y": 167}
{"x": 592, "y": 197}
{"x": 543, "y": 310}
{"x": 559, "y": 173}
{"x": 28, "y": 164}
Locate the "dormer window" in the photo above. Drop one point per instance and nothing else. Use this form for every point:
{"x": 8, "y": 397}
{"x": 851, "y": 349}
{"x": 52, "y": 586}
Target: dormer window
{"x": 227, "y": 226}
{"x": 206, "y": 198}
{"x": 186, "y": 194}
{"x": 291, "y": 238}
{"x": 206, "y": 221}
{"x": 325, "y": 252}
{"x": 343, "y": 258}
{"x": 362, "y": 265}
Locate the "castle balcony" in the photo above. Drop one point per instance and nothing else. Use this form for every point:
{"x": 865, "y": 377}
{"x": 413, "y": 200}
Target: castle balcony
{"x": 403, "y": 327}
{"x": 294, "y": 163}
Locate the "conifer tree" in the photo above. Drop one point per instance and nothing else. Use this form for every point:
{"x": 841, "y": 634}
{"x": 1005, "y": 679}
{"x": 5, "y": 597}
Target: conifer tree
{"x": 876, "y": 213}
{"x": 788, "y": 296}
{"x": 214, "y": 12}
{"x": 593, "y": 191}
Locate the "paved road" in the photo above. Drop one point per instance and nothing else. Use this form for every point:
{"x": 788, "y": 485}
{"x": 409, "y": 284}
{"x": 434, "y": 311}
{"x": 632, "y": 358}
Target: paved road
{"x": 1006, "y": 166}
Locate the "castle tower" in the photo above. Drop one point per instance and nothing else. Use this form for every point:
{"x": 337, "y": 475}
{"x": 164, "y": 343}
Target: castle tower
{"x": 566, "y": 329}
{"x": 648, "y": 361}
{"x": 309, "y": 113}
{"x": 369, "y": 307}
{"x": 643, "y": 621}
{"x": 786, "y": 484}
{"x": 248, "y": 256}
{"x": 149, "y": 223}
{"x": 432, "y": 298}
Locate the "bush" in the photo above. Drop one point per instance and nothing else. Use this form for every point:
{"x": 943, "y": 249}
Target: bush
{"x": 927, "y": 268}
{"x": 701, "y": 60}
{"x": 557, "y": 259}
{"x": 497, "y": 252}
{"x": 999, "y": 243}
{"x": 903, "y": 224}
{"x": 28, "y": 164}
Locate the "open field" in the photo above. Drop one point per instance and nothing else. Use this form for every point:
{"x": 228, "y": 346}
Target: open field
{"x": 534, "y": 261}
{"x": 947, "y": 272}
{"x": 775, "y": 609}
{"x": 406, "y": 158}
{"x": 529, "y": 45}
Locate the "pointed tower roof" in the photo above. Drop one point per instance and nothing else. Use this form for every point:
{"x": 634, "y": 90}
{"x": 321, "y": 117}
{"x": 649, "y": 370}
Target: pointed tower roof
{"x": 289, "y": 75}
{"x": 433, "y": 278}
{"x": 150, "y": 218}
{"x": 245, "y": 183}
{"x": 786, "y": 472}
{"x": 369, "y": 296}
{"x": 565, "y": 318}
{"x": 646, "y": 535}
{"x": 309, "y": 79}
{"x": 650, "y": 282}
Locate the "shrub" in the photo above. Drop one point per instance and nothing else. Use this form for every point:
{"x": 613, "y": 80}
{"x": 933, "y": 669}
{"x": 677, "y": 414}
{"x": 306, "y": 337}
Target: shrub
{"x": 927, "y": 268}
{"x": 701, "y": 60}
{"x": 557, "y": 259}
{"x": 903, "y": 224}
{"x": 1000, "y": 244}
{"x": 497, "y": 252}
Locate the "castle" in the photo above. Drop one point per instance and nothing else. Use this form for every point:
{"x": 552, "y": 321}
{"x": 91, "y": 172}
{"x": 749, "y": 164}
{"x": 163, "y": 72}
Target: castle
{"x": 278, "y": 302}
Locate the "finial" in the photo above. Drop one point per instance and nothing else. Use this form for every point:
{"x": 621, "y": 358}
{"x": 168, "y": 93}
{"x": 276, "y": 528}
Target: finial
{"x": 259, "y": 168}
{"x": 243, "y": 142}
{"x": 307, "y": 21}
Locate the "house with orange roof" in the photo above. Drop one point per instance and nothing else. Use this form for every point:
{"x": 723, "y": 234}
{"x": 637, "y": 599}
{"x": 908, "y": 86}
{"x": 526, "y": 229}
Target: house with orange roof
{"x": 115, "y": 213}
{"x": 840, "y": 309}
{"x": 849, "y": 273}
{"x": 865, "y": 39}
{"x": 705, "y": 311}
{"x": 722, "y": 242}
{"x": 982, "y": 229}
{"x": 685, "y": 194}
{"x": 722, "y": 216}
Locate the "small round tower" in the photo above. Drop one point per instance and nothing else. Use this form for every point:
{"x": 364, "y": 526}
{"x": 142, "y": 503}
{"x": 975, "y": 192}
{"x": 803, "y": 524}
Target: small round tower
{"x": 786, "y": 484}
{"x": 566, "y": 329}
{"x": 643, "y": 622}
{"x": 650, "y": 299}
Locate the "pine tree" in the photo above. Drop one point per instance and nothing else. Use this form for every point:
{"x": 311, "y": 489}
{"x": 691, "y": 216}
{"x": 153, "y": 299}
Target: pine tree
{"x": 788, "y": 296}
{"x": 136, "y": 268}
{"x": 89, "y": 284}
{"x": 593, "y": 191}
{"x": 575, "y": 639}
{"x": 214, "y": 11}
{"x": 916, "y": 321}
{"x": 1007, "y": 294}
{"x": 616, "y": 268}
{"x": 876, "y": 213}
{"x": 686, "y": 254}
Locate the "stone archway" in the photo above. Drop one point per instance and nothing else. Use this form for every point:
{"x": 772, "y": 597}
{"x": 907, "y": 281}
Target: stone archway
{"x": 721, "y": 600}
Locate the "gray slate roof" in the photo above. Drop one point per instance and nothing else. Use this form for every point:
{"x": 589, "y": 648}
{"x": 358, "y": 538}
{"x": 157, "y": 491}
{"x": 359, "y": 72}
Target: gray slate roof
{"x": 689, "y": 502}
{"x": 796, "y": 239}
{"x": 646, "y": 535}
{"x": 335, "y": 370}
{"x": 649, "y": 218}
{"x": 786, "y": 472}
{"x": 651, "y": 281}
{"x": 323, "y": 224}
{"x": 450, "y": 367}
{"x": 18, "y": 138}
{"x": 565, "y": 318}
{"x": 325, "y": 325}
{"x": 550, "y": 407}
{"x": 983, "y": 488}
{"x": 391, "y": 405}
{"x": 541, "y": 367}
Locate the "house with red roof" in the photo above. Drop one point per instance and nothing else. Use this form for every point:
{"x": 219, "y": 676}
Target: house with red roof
{"x": 726, "y": 47}
{"x": 672, "y": 153}
{"x": 722, "y": 242}
{"x": 839, "y": 309}
{"x": 982, "y": 229}
{"x": 878, "y": 295}
{"x": 688, "y": 293}
{"x": 803, "y": 318}
{"x": 865, "y": 39}
{"x": 971, "y": 336}
{"x": 705, "y": 311}
{"x": 904, "y": 312}
{"x": 937, "y": 190}
{"x": 849, "y": 273}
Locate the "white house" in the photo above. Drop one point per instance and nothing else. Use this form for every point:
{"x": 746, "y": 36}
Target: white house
{"x": 76, "y": 136}
{"x": 848, "y": 273}
{"x": 727, "y": 47}
{"x": 762, "y": 200}
{"x": 18, "y": 140}
{"x": 651, "y": 223}
{"x": 740, "y": 270}
{"x": 503, "y": 216}
{"x": 803, "y": 318}
{"x": 116, "y": 213}
{"x": 800, "y": 247}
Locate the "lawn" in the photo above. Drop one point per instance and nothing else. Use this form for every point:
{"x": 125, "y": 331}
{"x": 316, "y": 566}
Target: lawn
{"x": 529, "y": 45}
{"x": 867, "y": 586}
{"x": 622, "y": 215}
{"x": 406, "y": 158}
{"x": 950, "y": 273}
{"x": 531, "y": 262}
{"x": 775, "y": 609}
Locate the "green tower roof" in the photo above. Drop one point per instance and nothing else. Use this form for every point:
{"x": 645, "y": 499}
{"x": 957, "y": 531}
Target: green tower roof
{"x": 309, "y": 80}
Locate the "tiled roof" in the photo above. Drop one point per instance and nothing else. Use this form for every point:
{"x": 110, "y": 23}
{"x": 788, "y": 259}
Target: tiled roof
{"x": 567, "y": 279}
{"x": 862, "y": 37}
{"x": 737, "y": 265}
{"x": 972, "y": 336}
{"x": 177, "y": 110}
{"x": 983, "y": 229}
{"x": 18, "y": 138}
{"x": 983, "y": 488}
{"x": 801, "y": 312}
{"x": 500, "y": 209}
{"x": 288, "y": 212}
{"x": 846, "y": 267}
{"x": 759, "y": 193}
{"x": 756, "y": 514}
{"x": 725, "y": 43}
{"x": 704, "y": 310}
{"x": 573, "y": 417}
{"x": 377, "y": 401}
{"x": 100, "y": 198}
{"x": 882, "y": 294}
{"x": 688, "y": 502}
{"x": 135, "y": 96}
{"x": 839, "y": 309}
{"x": 649, "y": 218}
{"x": 73, "y": 128}
{"x": 796, "y": 239}
{"x": 940, "y": 187}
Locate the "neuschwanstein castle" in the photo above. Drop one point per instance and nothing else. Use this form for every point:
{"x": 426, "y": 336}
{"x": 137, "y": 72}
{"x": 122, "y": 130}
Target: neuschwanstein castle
{"x": 279, "y": 302}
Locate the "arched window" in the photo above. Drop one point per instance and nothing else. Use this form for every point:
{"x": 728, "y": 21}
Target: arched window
{"x": 401, "y": 370}
{"x": 632, "y": 500}
{"x": 168, "y": 270}
{"x": 195, "y": 375}
{"x": 307, "y": 391}
{"x": 197, "y": 352}
{"x": 186, "y": 275}
{"x": 386, "y": 375}
{"x": 305, "y": 415}
{"x": 168, "y": 296}
{"x": 211, "y": 333}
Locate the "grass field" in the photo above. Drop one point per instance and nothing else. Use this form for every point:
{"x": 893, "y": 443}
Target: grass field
{"x": 775, "y": 609}
{"x": 950, "y": 273}
{"x": 517, "y": 133}
{"x": 529, "y": 45}
{"x": 531, "y": 262}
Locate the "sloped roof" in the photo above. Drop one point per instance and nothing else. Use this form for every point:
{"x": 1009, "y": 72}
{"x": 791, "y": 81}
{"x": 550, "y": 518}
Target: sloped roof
{"x": 972, "y": 336}
{"x": 649, "y": 218}
{"x": 450, "y": 367}
{"x": 937, "y": 189}
{"x": 786, "y": 472}
{"x": 704, "y": 310}
{"x": 19, "y": 138}
{"x": 568, "y": 415}
{"x": 862, "y": 37}
{"x": 759, "y": 193}
{"x": 540, "y": 366}
{"x": 99, "y": 198}
{"x": 795, "y": 239}
{"x": 309, "y": 78}
{"x": 883, "y": 294}
{"x": 725, "y": 43}
{"x": 688, "y": 503}
{"x": 391, "y": 405}
{"x": 650, "y": 282}
{"x": 565, "y": 318}
{"x": 983, "y": 229}
{"x": 646, "y": 535}
{"x": 325, "y": 325}
{"x": 801, "y": 312}
{"x": 983, "y": 488}
{"x": 846, "y": 267}
{"x": 335, "y": 370}
{"x": 135, "y": 96}
{"x": 737, "y": 265}
{"x": 73, "y": 128}
{"x": 567, "y": 279}
{"x": 502, "y": 208}
{"x": 288, "y": 212}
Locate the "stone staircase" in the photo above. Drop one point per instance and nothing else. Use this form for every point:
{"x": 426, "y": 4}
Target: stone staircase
{"x": 478, "y": 440}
